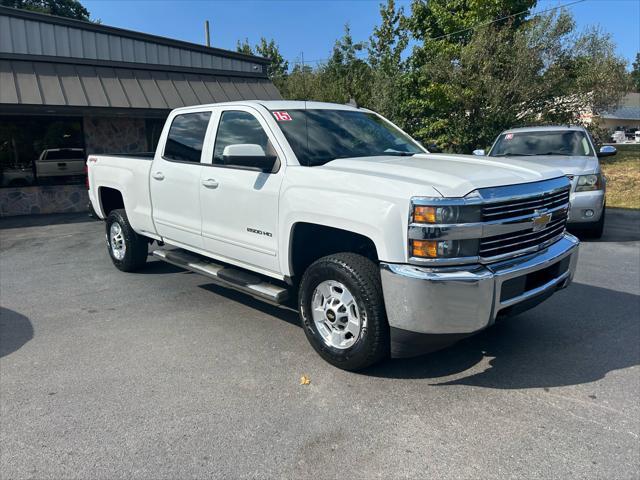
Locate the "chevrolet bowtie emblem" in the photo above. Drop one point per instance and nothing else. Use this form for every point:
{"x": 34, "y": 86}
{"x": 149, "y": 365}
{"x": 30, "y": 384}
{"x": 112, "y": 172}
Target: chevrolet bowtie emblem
{"x": 540, "y": 220}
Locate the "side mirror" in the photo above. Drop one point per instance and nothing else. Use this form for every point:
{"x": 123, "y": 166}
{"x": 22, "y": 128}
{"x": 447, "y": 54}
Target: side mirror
{"x": 248, "y": 155}
{"x": 433, "y": 148}
{"x": 607, "y": 151}
{"x": 480, "y": 152}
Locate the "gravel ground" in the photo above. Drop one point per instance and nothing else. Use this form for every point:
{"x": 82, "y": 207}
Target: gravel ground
{"x": 161, "y": 374}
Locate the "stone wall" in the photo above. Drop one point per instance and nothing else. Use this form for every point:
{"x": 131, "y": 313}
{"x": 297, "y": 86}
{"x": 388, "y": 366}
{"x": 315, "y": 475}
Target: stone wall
{"x": 114, "y": 135}
{"x": 43, "y": 199}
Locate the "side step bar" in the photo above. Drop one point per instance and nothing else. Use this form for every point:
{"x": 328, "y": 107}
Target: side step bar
{"x": 225, "y": 276}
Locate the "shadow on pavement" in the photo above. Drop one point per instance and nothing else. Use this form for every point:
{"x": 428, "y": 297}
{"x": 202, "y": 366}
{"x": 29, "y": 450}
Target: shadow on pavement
{"x": 577, "y": 337}
{"x": 621, "y": 225}
{"x": 15, "y": 331}
{"x": 157, "y": 267}
{"x": 23, "y": 221}
{"x": 286, "y": 313}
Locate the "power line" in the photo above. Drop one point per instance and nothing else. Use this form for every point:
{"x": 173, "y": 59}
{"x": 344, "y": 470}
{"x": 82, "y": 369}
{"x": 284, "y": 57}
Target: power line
{"x": 480, "y": 25}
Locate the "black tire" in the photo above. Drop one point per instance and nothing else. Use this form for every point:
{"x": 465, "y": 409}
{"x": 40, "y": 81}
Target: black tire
{"x": 362, "y": 278}
{"x": 136, "y": 246}
{"x": 597, "y": 229}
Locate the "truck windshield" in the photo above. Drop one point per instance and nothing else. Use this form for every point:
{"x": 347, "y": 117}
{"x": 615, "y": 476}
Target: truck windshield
{"x": 318, "y": 136}
{"x": 560, "y": 142}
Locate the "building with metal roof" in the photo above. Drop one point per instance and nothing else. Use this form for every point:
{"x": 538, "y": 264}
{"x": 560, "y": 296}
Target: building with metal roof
{"x": 74, "y": 86}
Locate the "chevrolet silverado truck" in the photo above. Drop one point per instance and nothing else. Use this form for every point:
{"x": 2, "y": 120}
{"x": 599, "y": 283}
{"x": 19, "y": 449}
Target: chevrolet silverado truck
{"x": 383, "y": 248}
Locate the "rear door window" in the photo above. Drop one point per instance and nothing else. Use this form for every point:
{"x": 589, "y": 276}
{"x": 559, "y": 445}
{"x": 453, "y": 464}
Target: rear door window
{"x": 64, "y": 154}
{"x": 186, "y": 137}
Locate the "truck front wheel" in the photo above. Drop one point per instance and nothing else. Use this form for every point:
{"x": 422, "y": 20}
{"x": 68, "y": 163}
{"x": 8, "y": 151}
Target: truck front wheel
{"x": 342, "y": 311}
{"x": 127, "y": 249}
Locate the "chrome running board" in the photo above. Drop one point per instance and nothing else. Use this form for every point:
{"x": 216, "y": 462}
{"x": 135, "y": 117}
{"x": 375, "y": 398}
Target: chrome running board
{"x": 234, "y": 278}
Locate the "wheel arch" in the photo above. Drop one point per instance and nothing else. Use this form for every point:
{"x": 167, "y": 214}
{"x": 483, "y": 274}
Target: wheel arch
{"x": 309, "y": 241}
{"x": 110, "y": 199}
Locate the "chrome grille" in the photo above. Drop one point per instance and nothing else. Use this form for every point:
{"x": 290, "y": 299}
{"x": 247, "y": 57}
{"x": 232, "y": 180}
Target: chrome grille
{"x": 528, "y": 206}
{"x": 508, "y": 244}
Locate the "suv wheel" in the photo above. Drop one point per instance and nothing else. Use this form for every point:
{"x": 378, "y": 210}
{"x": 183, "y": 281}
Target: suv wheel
{"x": 127, "y": 249}
{"x": 342, "y": 310}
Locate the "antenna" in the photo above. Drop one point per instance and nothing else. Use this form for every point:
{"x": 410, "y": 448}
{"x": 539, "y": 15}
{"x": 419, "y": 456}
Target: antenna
{"x": 207, "y": 38}
{"x": 304, "y": 78}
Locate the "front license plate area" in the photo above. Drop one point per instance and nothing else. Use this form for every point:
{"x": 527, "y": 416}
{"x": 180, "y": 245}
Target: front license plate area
{"x": 517, "y": 286}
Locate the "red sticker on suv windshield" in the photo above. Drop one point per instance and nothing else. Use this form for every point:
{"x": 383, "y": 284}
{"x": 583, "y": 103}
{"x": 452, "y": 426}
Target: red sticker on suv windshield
{"x": 282, "y": 116}
{"x": 508, "y": 136}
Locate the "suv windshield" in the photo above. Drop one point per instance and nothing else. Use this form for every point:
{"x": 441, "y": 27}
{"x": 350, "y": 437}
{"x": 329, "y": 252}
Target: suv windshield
{"x": 319, "y": 136}
{"x": 559, "y": 142}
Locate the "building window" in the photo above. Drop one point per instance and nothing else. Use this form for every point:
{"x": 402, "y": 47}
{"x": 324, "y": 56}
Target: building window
{"x": 186, "y": 136}
{"x": 41, "y": 151}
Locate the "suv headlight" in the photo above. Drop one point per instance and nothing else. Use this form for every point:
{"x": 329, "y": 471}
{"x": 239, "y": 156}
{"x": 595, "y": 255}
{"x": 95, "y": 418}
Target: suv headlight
{"x": 587, "y": 183}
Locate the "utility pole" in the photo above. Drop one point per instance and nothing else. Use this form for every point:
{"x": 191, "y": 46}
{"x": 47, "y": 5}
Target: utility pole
{"x": 206, "y": 33}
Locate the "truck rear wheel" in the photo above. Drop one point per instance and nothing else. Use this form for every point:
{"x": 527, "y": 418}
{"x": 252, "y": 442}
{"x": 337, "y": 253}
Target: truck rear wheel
{"x": 342, "y": 311}
{"x": 127, "y": 249}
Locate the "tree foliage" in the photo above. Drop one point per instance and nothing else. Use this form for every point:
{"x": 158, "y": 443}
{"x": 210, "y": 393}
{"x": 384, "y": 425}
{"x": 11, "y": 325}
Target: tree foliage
{"x": 62, "y": 8}
{"x": 635, "y": 74}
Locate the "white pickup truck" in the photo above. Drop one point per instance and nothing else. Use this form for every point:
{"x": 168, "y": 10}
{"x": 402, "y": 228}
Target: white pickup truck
{"x": 384, "y": 248}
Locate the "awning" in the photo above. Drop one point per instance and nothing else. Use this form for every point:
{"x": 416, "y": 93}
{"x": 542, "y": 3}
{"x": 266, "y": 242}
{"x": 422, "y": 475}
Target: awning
{"x": 57, "y": 84}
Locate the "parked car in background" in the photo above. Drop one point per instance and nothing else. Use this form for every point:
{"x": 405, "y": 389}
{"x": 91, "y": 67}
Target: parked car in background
{"x": 571, "y": 150}
{"x": 60, "y": 162}
{"x": 619, "y": 136}
{"x": 384, "y": 248}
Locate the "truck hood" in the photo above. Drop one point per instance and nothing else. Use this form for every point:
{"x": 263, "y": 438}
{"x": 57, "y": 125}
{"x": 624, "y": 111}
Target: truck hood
{"x": 575, "y": 165}
{"x": 451, "y": 175}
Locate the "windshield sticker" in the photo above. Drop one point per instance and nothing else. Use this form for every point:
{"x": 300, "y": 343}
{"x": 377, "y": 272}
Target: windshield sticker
{"x": 282, "y": 116}
{"x": 508, "y": 136}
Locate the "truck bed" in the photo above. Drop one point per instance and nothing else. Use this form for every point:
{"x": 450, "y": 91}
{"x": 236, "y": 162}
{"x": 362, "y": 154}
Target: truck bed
{"x": 128, "y": 174}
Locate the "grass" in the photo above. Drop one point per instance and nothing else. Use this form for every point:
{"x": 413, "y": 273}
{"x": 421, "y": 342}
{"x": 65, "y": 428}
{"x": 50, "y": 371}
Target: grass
{"x": 623, "y": 177}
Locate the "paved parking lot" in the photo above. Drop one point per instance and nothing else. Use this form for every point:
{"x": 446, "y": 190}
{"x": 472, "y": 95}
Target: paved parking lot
{"x": 161, "y": 374}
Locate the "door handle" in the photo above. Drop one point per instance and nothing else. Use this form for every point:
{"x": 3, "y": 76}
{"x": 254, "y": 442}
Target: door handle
{"x": 158, "y": 176}
{"x": 210, "y": 183}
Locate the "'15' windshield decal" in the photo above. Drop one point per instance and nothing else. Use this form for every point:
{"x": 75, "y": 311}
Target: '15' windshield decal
{"x": 282, "y": 116}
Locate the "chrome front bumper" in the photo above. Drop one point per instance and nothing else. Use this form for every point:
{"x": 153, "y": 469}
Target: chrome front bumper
{"x": 463, "y": 300}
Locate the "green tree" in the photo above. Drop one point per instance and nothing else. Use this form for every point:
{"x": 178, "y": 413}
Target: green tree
{"x": 435, "y": 105}
{"x": 635, "y": 74}
{"x": 62, "y": 8}
{"x": 345, "y": 76}
{"x": 244, "y": 47}
{"x": 386, "y": 45}
{"x": 464, "y": 88}
{"x": 278, "y": 67}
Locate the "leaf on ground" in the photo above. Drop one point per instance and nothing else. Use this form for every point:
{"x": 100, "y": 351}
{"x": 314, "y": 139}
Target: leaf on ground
{"x": 305, "y": 380}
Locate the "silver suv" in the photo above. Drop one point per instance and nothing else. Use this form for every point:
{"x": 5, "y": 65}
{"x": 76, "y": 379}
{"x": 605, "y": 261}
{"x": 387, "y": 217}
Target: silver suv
{"x": 570, "y": 149}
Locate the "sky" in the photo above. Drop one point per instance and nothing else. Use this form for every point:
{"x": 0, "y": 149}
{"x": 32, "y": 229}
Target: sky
{"x": 309, "y": 28}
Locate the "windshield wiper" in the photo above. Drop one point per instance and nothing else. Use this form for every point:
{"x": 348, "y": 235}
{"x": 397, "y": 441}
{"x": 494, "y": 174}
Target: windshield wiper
{"x": 513, "y": 155}
{"x": 398, "y": 154}
{"x": 553, "y": 153}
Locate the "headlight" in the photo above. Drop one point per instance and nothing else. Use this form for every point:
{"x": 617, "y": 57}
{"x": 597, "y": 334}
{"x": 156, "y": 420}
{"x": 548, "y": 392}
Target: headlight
{"x": 445, "y": 214}
{"x": 443, "y": 248}
{"x": 588, "y": 183}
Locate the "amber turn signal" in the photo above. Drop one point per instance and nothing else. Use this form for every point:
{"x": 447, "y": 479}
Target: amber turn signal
{"x": 424, "y": 248}
{"x": 422, "y": 214}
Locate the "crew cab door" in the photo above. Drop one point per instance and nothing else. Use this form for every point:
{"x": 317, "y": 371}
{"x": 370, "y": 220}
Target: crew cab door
{"x": 175, "y": 179}
{"x": 240, "y": 204}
